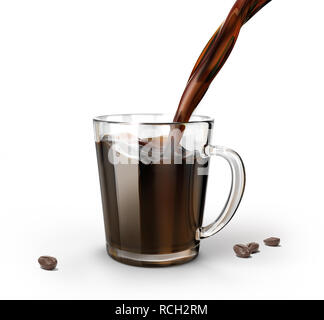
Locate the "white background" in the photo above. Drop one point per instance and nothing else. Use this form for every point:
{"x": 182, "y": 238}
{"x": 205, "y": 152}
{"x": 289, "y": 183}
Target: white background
{"x": 63, "y": 62}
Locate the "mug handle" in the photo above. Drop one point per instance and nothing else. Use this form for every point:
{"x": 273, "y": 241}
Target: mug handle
{"x": 236, "y": 192}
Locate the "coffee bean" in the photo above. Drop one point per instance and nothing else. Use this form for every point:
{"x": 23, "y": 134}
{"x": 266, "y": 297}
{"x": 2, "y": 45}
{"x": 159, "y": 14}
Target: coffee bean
{"x": 47, "y": 263}
{"x": 253, "y": 247}
{"x": 241, "y": 250}
{"x": 272, "y": 242}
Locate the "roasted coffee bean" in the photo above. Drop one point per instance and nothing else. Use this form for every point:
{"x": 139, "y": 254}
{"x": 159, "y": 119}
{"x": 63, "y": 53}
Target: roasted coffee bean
{"x": 47, "y": 263}
{"x": 272, "y": 242}
{"x": 253, "y": 247}
{"x": 241, "y": 250}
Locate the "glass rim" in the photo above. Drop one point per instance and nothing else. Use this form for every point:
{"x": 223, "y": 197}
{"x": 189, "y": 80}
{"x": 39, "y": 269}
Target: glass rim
{"x": 105, "y": 119}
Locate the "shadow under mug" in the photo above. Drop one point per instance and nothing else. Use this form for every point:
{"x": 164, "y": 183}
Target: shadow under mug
{"x": 153, "y": 177}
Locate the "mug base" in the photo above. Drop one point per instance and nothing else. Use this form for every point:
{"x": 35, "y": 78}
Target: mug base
{"x": 153, "y": 260}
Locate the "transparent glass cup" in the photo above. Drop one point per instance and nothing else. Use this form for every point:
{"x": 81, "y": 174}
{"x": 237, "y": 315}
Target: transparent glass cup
{"x": 153, "y": 177}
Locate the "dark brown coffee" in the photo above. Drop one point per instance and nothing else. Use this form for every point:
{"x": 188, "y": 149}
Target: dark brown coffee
{"x": 151, "y": 208}
{"x": 215, "y": 55}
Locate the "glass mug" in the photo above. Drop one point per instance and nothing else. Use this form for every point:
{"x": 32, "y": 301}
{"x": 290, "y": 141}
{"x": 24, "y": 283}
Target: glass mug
{"x": 153, "y": 177}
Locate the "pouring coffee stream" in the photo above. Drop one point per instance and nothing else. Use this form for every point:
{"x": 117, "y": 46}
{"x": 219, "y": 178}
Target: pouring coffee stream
{"x": 214, "y": 55}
